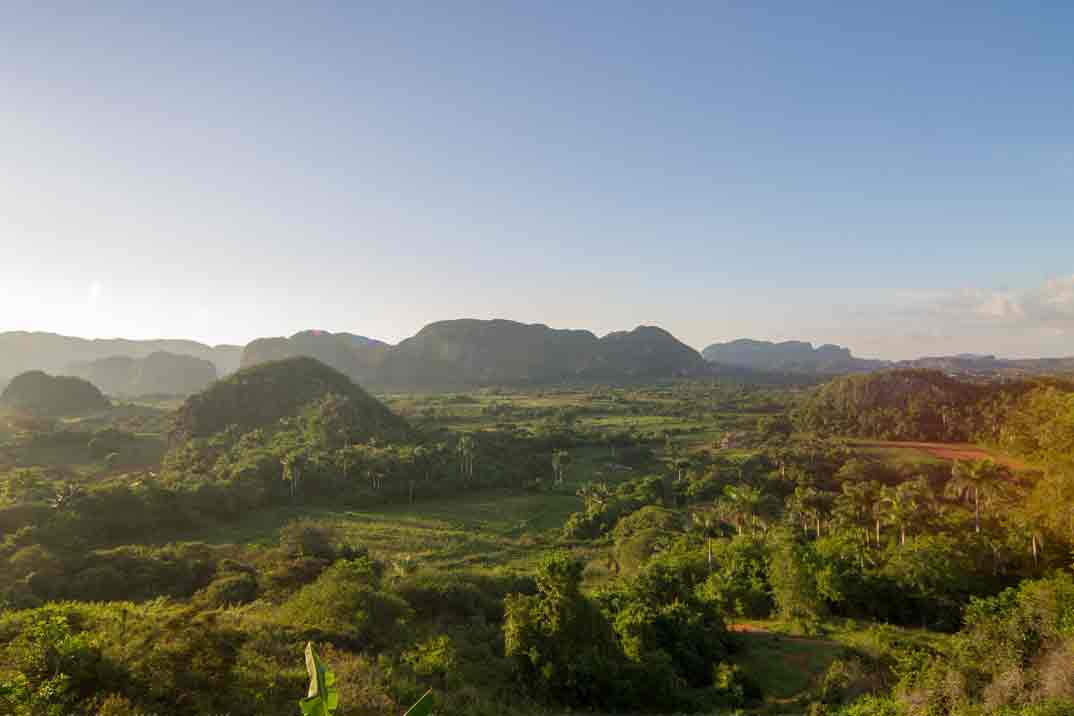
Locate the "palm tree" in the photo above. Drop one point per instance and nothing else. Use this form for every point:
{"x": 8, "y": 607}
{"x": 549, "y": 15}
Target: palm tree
{"x": 812, "y": 505}
{"x": 560, "y": 460}
{"x": 855, "y": 506}
{"x": 466, "y": 450}
{"x": 745, "y": 505}
{"x": 65, "y": 496}
{"x": 292, "y": 470}
{"x": 595, "y": 495}
{"x": 978, "y": 481}
{"x": 422, "y": 459}
{"x": 899, "y": 507}
{"x": 706, "y": 521}
{"x": 348, "y": 455}
{"x": 681, "y": 465}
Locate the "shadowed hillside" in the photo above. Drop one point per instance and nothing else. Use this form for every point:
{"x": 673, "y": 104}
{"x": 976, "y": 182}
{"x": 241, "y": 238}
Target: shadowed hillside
{"x": 475, "y": 352}
{"x": 157, "y": 374}
{"x": 41, "y": 394}
{"x": 261, "y": 395}
{"x": 471, "y": 352}
{"x": 789, "y": 356}
{"x": 356, "y": 356}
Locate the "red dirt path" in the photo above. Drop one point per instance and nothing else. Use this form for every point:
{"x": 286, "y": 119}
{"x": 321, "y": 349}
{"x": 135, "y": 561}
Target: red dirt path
{"x": 948, "y": 451}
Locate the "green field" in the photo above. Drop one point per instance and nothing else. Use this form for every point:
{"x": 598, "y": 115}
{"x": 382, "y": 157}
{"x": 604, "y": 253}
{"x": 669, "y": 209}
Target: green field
{"x": 491, "y": 528}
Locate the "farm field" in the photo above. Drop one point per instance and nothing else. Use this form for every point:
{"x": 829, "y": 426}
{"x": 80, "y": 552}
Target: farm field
{"x": 486, "y": 529}
{"x": 911, "y": 450}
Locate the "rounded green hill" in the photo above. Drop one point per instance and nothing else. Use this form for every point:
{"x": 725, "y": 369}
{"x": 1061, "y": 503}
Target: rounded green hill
{"x": 261, "y": 395}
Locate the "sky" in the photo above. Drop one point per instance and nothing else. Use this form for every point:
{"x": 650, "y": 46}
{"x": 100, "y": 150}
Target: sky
{"x": 897, "y": 179}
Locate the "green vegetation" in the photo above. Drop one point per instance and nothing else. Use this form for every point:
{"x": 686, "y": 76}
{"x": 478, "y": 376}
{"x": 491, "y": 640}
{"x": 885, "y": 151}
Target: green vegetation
{"x": 41, "y": 395}
{"x": 684, "y": 547}
{"x": 262, "y": 395}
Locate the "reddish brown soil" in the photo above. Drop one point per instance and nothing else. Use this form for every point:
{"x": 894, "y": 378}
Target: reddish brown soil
{"x": 949, "y": 451}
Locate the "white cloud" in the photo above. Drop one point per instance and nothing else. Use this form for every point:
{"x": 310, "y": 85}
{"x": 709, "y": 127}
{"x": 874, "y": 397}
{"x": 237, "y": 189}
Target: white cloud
{"x": 1050, "y": 305}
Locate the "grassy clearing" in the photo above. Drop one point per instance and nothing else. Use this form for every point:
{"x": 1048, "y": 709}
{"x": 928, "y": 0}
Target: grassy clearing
{"x": 789, "y": 666}
{"x": 931, "y": 453}
{"x": 144, "y": 452}
{"x": 490, "y": 528}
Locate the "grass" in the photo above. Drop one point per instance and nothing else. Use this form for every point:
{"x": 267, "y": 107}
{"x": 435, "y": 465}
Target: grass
{"x": 144, "y": 452}
{"x": 786, "y": 667}
{"x": 489, "y": 528}
{"x": 789, "y": 667}
{"x": 914, "y": 453}
{"x": 903, "y": 458}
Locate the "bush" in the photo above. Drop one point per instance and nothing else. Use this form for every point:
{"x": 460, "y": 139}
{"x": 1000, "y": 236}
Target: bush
{"x": 306, "y": 538}
{"x": 345, "y": 602}
{"x": 460, "y": 598}
{"x": 634, "y": 552}
{"x": 562, "y": 647}
{"x": 872, "y": 706}
{"x": 738, "y": 583}
{"x": 650, "y": 517}
{"x": 117, "y": 705}
{"x": 792, "y": 572}
{"x": 233, "y": 589}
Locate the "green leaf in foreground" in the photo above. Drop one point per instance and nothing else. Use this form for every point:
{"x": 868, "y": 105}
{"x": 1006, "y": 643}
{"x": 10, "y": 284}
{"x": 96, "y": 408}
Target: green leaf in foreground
{"x": 323, "y": 697}
{"x": 423, "y": 707}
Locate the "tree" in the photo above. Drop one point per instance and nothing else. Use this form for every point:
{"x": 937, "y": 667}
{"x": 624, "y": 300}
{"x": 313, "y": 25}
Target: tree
{"x": 776, "y": 428}
{"x": 560, "y": 460}
{"x": 977, "y": 481}
{"x": 1052, "y": 500}
{"x": 466, "y": 448}
{"x": 67, "y": 495}
{"x": 899, "y": 506}
{"x": 706, "y": 521}
{"x": 811, "y": 505}
{"x": 745, "y": 506}
{"x": 292, "y": 464}
{"x": 792, "y": 572}
{"x": 854, "y": 509}
{"x": 595, "y": 495}
{"x": 561, "y": 645}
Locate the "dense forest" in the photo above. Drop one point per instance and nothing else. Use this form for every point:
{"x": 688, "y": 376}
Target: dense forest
{"x": 1032, "y": 418}
{"x": 607, "y": 549}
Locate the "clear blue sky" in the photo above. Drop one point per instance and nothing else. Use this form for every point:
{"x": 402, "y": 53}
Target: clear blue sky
{"x": 898, "y": 180}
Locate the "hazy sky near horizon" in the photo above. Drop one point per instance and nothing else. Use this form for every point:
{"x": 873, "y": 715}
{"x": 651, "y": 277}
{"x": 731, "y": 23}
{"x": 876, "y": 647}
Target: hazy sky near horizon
{"x": 899, "y": 180}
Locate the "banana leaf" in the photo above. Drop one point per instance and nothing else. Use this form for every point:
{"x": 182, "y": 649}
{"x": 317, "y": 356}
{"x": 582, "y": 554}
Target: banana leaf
{"x": 322, "y": 698}
{"x": 423, "y": 707}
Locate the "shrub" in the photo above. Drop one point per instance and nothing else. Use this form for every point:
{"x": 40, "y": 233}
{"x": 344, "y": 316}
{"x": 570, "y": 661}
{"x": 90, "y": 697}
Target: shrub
{"x": 306, "y": 538}
{"x": 345, "y": 601}
{"x": 233, "y": 589}
{"x": 792, "y": 572}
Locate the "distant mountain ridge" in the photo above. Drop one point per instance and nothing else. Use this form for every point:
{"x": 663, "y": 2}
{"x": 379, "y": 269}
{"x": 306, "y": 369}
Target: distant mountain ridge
{"x": 989, "y": 365}
{"x": 21, "y": 351}
{"x": 800, "y": 357}
{"x": 473, "y": 352}
{"x": 490, "y": 352}
{"x": 789, "y": 357}
{"x": 356, "y": 356}
{"x": 158, "y": 373}
{"x": 467, "y": 352}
